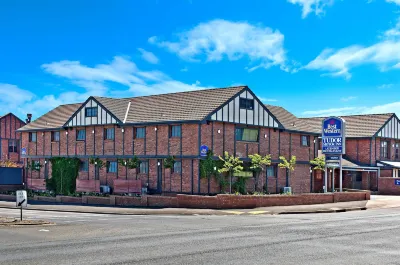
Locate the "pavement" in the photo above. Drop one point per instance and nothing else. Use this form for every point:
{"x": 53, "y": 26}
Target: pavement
{"x": 377, "y": 201}
{"x": 357, "y": 237}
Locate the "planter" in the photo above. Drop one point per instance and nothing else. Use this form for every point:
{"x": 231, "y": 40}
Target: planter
{"x": 44, "y": 198}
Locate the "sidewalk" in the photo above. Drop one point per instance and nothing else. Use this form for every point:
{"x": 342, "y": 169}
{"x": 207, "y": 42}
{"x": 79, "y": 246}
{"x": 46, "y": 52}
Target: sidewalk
{"x": 297, "y": 209}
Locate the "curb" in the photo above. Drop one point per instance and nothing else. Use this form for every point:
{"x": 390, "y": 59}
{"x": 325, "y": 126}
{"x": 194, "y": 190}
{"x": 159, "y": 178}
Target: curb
{"x": 208, "y": 212}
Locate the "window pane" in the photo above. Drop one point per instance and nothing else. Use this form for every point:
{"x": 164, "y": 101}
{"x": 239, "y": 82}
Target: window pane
{"x": 84, "y": 166}
{"x": 250, "y": 135}
{"x": 239, "y": 134}
{"x": 80, "y": 135}
{"x": 270, "y": 171}
{"x": 140, "y": 132}
{"x": 109, "y": 134}
{"x": 175, "y": 131}
{"x": 112, "y": 167}
{"x": 143, "y": 167}
{"x": 177, "y": 167}
{"x": 246, "y": 103}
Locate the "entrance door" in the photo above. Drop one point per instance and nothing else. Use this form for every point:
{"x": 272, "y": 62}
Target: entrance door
{"x": 159, "y": 175}
{"x": 357, "y": 180}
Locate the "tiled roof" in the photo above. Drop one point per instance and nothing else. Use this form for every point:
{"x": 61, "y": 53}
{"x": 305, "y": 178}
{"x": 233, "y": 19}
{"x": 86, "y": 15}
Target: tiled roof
{"x": 55, "y": 118}
{"x": 289, "y": 121}
{"x": 356, "y": 125}
{"x": 181, "y": 106}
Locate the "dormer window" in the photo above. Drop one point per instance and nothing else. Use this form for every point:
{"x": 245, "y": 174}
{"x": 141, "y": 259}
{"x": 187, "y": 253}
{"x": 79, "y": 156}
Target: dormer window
{"x": 245, "y": 103}
{"x": 91, "y": 112}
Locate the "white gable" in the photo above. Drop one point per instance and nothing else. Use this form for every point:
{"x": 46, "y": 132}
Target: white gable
{"x": 391, "y": 129}
{"x": 80, "y": 119}
{"x": 231, "y": 112}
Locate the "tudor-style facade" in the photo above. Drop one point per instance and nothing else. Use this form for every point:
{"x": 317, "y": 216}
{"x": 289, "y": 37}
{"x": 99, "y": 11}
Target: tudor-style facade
{"x": 155, "y": 127}
{"x": 372, "y": 148}
{"x": 10, "y": 141}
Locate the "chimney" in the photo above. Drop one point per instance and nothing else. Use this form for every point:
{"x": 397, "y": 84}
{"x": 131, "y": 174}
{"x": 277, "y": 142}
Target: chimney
{"x": 29, "y": 118}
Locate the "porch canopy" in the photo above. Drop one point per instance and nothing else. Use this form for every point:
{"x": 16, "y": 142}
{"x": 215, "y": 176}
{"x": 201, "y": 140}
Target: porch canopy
{"x": 389, "y": 164}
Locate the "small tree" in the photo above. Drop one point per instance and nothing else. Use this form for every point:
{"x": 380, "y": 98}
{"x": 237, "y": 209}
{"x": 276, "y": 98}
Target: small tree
{"x": 318, "y": 163}
{"x": 130, "y": 163}
{"x": 169, "y": 162}
{"x": 288, "y": 165}
{"x": 98, "y": 164}
{"x": 257, "y": 163}
{"x": 7, "y": 163}
{"x": 230, "y": 165}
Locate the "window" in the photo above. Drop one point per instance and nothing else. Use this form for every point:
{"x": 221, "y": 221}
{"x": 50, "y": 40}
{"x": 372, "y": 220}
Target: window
{"x": 305, "y": 140}
{"x": 112, "y": 167}
{"x": 175, "y": 131}
{"x": 140, "y": 132}
{"x": 245, "y": 103}
{"x": 84, "y": 166}
{"x": 36, "y": 165}
{"x": 271, "y": 172}
{"x": 55, "y": 136}
{"x": 12, "y": 146}
{"x": 32, "y": 137}
{"x": 384, "y": 149}
{"x": 109, "y": 134}
{"x": 91, "y": 112}
{"x": 143, "y": 167}
{"x": 396, "y": 151}
{"x": 177, "y": 167}
{"x": 80, "y": 135}
{"x": 244, "y": 134}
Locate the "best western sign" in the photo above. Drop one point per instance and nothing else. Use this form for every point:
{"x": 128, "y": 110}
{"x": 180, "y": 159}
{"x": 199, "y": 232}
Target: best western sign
{"x": 333, "y": 136}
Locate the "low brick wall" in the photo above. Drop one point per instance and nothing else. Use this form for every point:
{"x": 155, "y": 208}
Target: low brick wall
{"x": 5, "y": 197}
{"x": 386, "y": 186}
{"x": 220, "y": 201}
{"x": 44, "y": 198}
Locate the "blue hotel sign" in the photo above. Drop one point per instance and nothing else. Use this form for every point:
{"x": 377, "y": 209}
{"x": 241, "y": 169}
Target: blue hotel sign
{"x": 203, "y": 150}
{"x": 397, "y": 182}
{"x": 333, "y": 136}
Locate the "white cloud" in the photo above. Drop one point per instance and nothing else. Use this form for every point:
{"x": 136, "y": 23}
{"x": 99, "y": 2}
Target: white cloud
{"x": 385, "y": 54}
{"x": 312, "y": 6}
{"x": 393, "y": 107}
{"x": 385, "y": 86}
{"x": 345, "y": 99}
{"x": 264, "y": 100}
{"x": 397, "y": 2}
{"x": 98, "y": 80}
{"x": 185, "y": 69}
{"x": 220, "y": 39}
{"x": 149, "y": 56}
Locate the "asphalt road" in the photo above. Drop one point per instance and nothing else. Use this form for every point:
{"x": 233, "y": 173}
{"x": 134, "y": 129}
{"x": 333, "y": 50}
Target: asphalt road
{"x": 361, "y": 237}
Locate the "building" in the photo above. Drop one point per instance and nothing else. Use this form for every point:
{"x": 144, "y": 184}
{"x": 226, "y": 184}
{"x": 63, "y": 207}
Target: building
{"x": 9, "y": 138}
{"x": 177, "y": 124}
{"x": 372, "y": 149}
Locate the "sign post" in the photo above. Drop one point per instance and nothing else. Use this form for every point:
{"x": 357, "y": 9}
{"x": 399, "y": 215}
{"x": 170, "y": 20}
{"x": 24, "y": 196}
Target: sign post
{"x": 333, "y": 147}
{"x": 21, "y": 200}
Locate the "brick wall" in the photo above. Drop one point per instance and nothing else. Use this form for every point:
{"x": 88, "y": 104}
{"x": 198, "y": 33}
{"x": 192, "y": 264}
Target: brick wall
{"x": 386, "y": 186}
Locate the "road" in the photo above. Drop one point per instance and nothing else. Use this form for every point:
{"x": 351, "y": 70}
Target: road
{"x": 360, "y": 237}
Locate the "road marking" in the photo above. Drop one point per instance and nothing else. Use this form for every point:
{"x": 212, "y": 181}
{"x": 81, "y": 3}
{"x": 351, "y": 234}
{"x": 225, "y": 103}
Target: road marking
{"x": 234, "y": 212}
{"x": 258, "y": 212}
{"x": 44, "y": 230}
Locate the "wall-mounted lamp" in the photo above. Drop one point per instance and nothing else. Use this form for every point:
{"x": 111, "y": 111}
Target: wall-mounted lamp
{"x": 158, "y": 164}
{"x": 265, "y": 135}
{"x": 93, "y": 131}
{"x": 125, "y": 163}
{"x": 66, "y": 132}
{"x": 42, "y": 133}
{"x": 310, "y": 170}
{"x": 122, "y": 130}
{"x": 219, "y": 131}
{"x": 314, "y": 141}
{"x": 215, "y": 168}
{"x": 45, "y": 161}
{"x": 95, "y": 162}
{"x": 155, "y": 128}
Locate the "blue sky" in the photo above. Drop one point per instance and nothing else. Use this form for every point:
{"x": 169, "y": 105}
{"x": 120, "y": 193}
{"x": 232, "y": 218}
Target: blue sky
{"x": 313, "y": 57}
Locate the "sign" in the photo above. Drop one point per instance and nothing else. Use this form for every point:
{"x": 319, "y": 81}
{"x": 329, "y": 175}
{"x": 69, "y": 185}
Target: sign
{"x": 22, "y": 198}
{"x": 397, "y": 182}
{"x": 23, "y": 151}
{"x": 203, "y": 150}
{"x": 332, "y": 158}
{"x": 332, "y": 164}
{"x": 333, "y": 136}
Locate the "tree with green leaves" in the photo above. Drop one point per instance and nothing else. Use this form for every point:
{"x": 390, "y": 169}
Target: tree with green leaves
{"x": 257, "y": 164}
{"x": 130, "y": 163}
{"x": 230, "y": 165}
{"x": 288, "y": 165}
{"x": 318, "y": 163}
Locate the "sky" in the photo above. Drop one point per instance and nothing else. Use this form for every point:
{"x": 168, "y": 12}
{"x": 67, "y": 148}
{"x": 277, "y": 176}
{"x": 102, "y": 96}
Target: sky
{"x": 312, "y": 57}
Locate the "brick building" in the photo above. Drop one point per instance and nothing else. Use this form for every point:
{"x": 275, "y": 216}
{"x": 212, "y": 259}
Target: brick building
{"x": 372, "y": 149}
{"x": 177, "y": 124}
{"x": 10, "y": 141}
